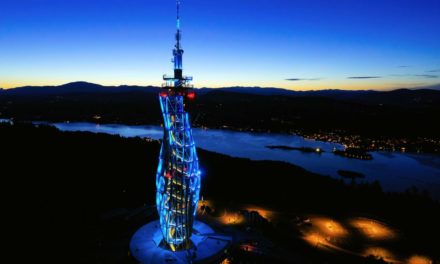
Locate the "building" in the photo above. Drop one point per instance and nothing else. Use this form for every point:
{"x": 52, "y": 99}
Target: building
{"x": 178, "y": 174}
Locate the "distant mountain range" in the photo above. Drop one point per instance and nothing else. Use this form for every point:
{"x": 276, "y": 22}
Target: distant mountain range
{"x": 406, "y": 112}
{"x": 408, "y": 95}
{"x": 75, "y": 88}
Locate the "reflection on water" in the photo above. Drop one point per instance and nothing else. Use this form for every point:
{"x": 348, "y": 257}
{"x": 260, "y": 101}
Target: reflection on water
{"x": 395, "y": 171}
{"x": 428, "y": 160}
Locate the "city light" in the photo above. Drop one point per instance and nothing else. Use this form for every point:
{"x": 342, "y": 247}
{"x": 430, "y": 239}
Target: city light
{"x": 380, "y": 253}
{"x": 418, "y": 259}
{"x": 317, "y": 240}
{"x": 231, "y": 218}
{"x": 265, "y": 213}
{"x": 329, "y": 227}
{"x": 325, "y": 233}
{"x": 361, "y": 237}
{"x": 373, "y": 229}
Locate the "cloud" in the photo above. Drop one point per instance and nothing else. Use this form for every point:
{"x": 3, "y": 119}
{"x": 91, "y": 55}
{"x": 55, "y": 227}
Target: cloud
{"x": 431, "y": 76}
{"x": 400, "y": 75}
{"x": 427, "y": 75}
{"x": 403, "y": 66}
{"x": 436, "y": 70}
{"x": 303, "y": 79}
{"x": 364, "y": 77}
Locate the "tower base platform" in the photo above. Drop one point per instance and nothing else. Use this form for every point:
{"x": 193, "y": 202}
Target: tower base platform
{"x": 207, "y": 246}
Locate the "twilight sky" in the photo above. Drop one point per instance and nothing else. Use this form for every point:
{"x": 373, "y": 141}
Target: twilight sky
{"x": 295, "y": 44}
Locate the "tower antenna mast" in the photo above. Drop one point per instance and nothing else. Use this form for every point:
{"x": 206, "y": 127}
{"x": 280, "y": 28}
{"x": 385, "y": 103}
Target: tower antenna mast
{"x": 178, "y": 14}
{"x": 178, "y": 35}
{"x": 178, "y": 81}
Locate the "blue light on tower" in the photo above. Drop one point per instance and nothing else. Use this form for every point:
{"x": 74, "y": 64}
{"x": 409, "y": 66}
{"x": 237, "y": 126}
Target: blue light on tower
{"x": 178, "y": 174}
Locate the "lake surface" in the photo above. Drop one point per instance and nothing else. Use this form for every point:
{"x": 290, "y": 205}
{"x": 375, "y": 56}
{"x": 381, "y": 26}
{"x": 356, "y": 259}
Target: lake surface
{"x": 394, "y": 170}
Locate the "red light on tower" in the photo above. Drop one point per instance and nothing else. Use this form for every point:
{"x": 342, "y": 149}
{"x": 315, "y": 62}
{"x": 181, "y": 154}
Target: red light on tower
{"x": 191, "y": 95}
{"x": 163, "y": 94}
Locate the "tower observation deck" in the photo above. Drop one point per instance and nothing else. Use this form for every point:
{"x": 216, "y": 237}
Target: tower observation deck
{"x": 178, "y": 174}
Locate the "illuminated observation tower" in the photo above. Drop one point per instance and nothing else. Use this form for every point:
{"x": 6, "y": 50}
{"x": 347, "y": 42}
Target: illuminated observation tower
{"x": 178, "y": 174}
{"x": 177, "y": 237}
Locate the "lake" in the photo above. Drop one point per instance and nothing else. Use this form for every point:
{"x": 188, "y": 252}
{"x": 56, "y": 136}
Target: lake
{"x": 394, "y": 170}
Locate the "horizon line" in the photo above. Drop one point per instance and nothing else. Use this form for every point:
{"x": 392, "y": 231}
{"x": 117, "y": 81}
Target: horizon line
{"x": 429, "y": 87}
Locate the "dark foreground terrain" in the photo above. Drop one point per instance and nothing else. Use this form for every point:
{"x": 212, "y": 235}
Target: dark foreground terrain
{"x": 75, "y": 197}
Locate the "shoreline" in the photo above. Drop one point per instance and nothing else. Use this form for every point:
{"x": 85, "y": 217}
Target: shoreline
{"x": 306, "y": 136}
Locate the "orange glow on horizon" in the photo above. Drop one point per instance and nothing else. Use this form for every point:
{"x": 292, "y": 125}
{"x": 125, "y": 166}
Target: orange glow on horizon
{"x": 7, "y": 83}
